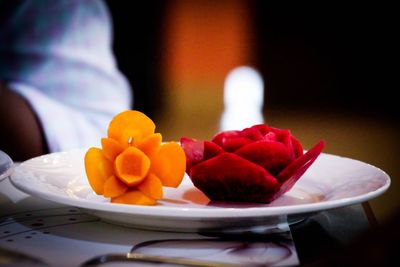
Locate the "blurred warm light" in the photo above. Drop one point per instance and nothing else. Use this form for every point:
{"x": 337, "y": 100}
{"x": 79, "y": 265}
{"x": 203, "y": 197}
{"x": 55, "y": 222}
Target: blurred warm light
{"x": 204, "y": 40}
{"x": 243, "y": 99}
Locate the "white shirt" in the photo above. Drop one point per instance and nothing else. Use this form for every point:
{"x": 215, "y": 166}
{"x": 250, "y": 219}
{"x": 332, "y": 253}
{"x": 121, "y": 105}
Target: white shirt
{"x": 58, "y": 55}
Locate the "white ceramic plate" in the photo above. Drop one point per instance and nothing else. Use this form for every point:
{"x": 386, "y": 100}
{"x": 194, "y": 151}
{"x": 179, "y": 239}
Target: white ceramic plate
{"x": 331, "y": 182}
{"x": 6, "y": 165}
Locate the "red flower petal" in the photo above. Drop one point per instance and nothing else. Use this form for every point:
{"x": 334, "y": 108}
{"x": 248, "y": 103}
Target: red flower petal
{"x": 253, "y": 133}
{"x": 289, "y": 176}
{"x": 285, "y": 137}
{"x": 233, "y": 144}
{"x": 272, "y": 156}
{"x": 282, "y": 136}
{"x": 297, "y": 147}
{"x": 231, "y": 140}
{"x": 228, "y": 177}
{"x": 221, "y": 137}
{"x": 198, "y": 151}
{"x": 211, "y": 150}
{"x": 262, "y": 128}
{"x": 194, "y": 151}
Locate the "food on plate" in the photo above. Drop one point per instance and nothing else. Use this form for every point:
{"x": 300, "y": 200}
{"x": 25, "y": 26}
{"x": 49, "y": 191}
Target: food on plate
{"x": 256, "y": 164}
{"x": 133, "y": 164}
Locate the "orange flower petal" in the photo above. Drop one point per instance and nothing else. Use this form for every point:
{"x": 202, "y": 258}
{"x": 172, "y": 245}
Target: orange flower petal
{"x": 134, "y": 197}
{"x": 169, "y": 164}
{"x": 150, "y": 144}
{"x": 130, "y": 123}
{"x": 152, "y": 186}
{"x": 97, "y": 168}
{"x": 132, "y": 166}
{"x": 111, "y": 148}
{"x": 113, "y": 187}
{"x": 129, "y": 137}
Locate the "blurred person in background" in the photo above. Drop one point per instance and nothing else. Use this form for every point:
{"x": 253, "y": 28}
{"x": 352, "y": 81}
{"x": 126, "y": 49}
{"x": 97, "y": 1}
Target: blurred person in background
{"x": 59, "y": 82}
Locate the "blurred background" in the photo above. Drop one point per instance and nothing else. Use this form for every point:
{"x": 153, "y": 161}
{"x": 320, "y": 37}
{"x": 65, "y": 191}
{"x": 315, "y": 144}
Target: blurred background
{"x": 324, "y": 68}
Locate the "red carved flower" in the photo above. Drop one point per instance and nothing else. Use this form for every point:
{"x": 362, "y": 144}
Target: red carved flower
{"x": 257, "y": 164}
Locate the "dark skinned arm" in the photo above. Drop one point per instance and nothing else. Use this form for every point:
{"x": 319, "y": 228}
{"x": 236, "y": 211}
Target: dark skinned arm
{"x": 21, "y": 135}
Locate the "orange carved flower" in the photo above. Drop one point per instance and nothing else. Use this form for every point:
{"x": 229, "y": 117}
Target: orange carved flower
{"x": 134, "y": 164}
